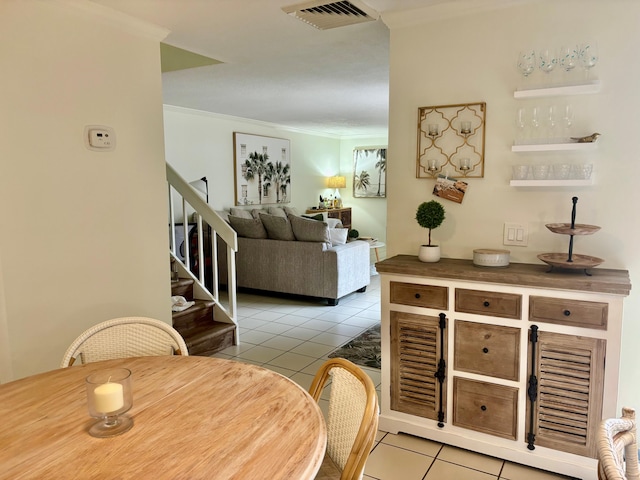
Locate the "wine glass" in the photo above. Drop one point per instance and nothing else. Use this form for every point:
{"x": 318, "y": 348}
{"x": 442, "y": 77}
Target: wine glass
{"x": 547, "y": 60}
{"x": 526, "y": 62}
{"x": 588, "y": 56}
{"x": 535, "y": 124}
{"x": 567, "y": 121}
{"x": 568, "y": 58}
{"x": 521, "y": 123}
{"x": 552, "y": 122}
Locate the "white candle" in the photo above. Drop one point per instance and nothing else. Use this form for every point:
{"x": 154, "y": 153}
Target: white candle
{"x": 108, "y": 397}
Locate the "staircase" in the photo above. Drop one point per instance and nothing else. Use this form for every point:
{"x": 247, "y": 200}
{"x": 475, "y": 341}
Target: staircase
{"x": 202, "y": 334}
{"x": 210, "y": 325}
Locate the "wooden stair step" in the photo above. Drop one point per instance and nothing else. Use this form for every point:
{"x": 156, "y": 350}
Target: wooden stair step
{"x": 183, "y": 287}
{"x": 209, "y": 339}
{"x": 201, "y": 313}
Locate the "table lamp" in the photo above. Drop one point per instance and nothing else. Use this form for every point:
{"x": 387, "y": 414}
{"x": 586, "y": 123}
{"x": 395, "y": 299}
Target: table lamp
{"x": 337, "y": 182}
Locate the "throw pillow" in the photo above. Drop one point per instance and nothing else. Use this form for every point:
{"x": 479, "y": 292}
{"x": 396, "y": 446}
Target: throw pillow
{"x": 318, "y": 217}
{"x": 255, "y": 213}
{"x": 307, "y": 230}
{"x": 291, "y": 211}
{"x": 278, "y": 228}
{"x": 248, "y": 227}
{"x": 277, "y": 211}
{"x": 240, "y": 212}
{"x": 338, "y": 236}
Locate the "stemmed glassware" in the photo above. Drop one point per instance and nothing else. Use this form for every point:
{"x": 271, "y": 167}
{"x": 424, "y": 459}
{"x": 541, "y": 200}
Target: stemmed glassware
{"x": 547, "y": 60}
{"x": 552, "y": 122}
{"x": 535, "y": 124}
{"x": 526, "y": 62}
{"x": 568, "y": 58}
{"x": 567, "y": 121}
{"x": 588, "y": 56}
{"x": 521, "y": 123}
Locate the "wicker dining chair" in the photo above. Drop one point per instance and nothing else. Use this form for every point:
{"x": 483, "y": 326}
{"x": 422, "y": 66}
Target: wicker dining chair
{"x": 352, "y": 421}
{"x": 125, "y": 337}
{"x": 618, "y": 448}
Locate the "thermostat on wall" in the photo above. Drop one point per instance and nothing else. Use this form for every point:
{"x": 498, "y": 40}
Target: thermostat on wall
{"x": 99, "y": 138}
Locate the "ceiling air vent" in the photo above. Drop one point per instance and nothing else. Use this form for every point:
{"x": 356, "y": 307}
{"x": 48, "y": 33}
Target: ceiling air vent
{"x": 326, "y": 14}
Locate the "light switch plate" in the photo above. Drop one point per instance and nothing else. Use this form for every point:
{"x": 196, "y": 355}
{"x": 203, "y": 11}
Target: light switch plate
{"x": 516, "y": 234}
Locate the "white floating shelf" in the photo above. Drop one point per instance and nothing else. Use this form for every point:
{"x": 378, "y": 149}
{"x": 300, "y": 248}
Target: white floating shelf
{"x": 583, "y": 89}
{"x": 554, "y": 147}
{"x": 551, "y": 183}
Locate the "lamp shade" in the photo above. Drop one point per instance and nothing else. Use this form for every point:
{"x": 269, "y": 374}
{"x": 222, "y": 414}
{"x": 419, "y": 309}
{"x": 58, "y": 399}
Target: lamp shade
{"x": 337, "y": 182}
{"x": 202, "y": 186}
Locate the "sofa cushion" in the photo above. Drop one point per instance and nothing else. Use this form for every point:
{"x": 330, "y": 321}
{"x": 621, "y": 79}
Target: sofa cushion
{"x": 338, "y": 236}
{"x": 317, "y": 216}
{"x": 306, "y": 230}
{"x": 255, "y": 213}
{"x": 240, "y": 212}
{"x": 248, "y": 227}
{"x": 276, "y": 211}
{"x": 291, "y": 211}
{"x": 278, "y": 228}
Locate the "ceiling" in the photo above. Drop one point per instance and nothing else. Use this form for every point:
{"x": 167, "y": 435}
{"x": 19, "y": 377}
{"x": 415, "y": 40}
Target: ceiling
{"x": 276, "y": 68}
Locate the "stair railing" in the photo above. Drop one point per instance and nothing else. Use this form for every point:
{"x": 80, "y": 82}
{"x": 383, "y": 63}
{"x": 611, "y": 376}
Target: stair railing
{"x": 192, "y": 201}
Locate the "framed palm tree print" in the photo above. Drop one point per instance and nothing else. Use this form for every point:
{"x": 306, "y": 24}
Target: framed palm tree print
{"x": 262, "y": 169}
{"x": 370, "y": 172}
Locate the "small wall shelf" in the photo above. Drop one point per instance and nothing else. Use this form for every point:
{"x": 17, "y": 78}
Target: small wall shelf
{"x": 554, "y": 147}
{"x": 551, "y": 183}
{"x": 583, "y": 89}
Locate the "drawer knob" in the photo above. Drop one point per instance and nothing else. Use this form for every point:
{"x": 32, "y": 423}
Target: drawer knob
{"x": 483, "y": 408}
{"x": 486, "y": 303}
{"x": 567, "y": 313}
{"x": 417, "y": 295}
{"x": 485, "y": 350}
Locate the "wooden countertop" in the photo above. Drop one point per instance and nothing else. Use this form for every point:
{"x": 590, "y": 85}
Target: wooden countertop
{"x": 602, "y": 280}
{"x": 194, "y": 418}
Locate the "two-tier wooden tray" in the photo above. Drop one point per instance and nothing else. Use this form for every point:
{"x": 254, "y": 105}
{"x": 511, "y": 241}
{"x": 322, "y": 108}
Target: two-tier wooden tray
{"x": 570, "y": 260}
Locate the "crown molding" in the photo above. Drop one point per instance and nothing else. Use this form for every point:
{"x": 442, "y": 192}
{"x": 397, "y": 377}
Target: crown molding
{"x": 114, "y": 18}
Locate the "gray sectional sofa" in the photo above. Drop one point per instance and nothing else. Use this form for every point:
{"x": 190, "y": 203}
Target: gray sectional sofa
{"x": 297, "y": 255}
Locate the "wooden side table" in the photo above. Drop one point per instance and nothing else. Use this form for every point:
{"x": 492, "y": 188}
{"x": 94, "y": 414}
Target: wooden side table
{"x": 342, "y": 214}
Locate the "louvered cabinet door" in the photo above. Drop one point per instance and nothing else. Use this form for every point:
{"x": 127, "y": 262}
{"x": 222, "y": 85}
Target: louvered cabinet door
{"x": 570, "y": 381}
{"x": 417, "y": 347}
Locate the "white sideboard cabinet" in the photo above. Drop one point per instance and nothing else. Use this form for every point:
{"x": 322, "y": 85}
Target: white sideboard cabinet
{"x": 518, "y": 362}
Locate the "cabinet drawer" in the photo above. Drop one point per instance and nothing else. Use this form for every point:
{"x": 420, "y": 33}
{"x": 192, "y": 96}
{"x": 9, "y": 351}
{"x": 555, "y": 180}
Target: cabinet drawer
{"x": 487, "y": 349}
{"x": 495, "y": 304}
{"x": 428, "y": 296}
{"x": 485, "y": 407}
{"x": 577, "y": 313}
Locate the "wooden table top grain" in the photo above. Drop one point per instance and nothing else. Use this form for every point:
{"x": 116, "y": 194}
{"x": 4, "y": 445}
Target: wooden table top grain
{"x": 194, "y": 418}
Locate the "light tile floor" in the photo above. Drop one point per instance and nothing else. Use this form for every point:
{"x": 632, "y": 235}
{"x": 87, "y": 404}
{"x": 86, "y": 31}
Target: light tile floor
{"x": 294, "y": 336}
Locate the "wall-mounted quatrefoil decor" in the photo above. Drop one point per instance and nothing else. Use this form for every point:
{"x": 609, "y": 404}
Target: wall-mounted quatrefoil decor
{"x": 451, "y": 141}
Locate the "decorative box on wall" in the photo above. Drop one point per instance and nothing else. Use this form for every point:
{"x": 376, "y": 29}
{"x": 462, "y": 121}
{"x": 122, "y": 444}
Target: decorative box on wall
{"x": 508, "y": 362}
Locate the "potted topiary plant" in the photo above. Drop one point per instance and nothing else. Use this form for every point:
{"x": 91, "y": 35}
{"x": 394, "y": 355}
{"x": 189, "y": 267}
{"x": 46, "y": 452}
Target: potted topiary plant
{"x": 430, "y": 215}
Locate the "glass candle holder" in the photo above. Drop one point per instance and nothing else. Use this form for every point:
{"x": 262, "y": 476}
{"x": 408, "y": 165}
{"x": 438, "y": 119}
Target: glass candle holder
{"x": 109, "y": 396}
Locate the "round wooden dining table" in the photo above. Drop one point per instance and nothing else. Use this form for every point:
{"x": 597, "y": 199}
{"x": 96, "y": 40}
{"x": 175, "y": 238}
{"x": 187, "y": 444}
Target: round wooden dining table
{"x": 194, "y": 418}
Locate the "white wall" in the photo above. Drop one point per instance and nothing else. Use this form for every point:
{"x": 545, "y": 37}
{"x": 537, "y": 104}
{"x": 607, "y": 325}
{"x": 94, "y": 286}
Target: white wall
{"x": 84, "y": 233}
{"x": 472, "y": 59}
{"x": 201, "y": 144}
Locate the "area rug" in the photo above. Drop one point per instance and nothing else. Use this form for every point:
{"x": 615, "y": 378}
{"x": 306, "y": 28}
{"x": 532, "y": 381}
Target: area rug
{"x": 364, "y": 350}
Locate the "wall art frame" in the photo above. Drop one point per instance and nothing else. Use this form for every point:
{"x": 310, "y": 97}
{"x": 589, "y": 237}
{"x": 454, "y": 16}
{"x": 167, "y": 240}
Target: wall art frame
{"x": 451, "y": 140}
{"x": 262, "y": 169}
{"x": 370, "y": 172}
